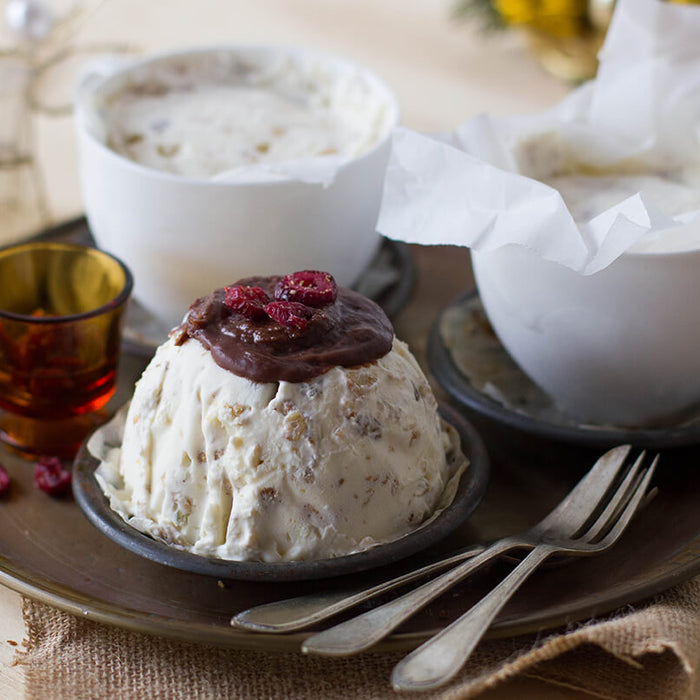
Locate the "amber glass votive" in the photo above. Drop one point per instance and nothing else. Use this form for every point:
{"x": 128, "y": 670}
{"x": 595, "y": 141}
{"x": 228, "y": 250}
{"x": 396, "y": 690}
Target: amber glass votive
{"x": 61, "y": 312}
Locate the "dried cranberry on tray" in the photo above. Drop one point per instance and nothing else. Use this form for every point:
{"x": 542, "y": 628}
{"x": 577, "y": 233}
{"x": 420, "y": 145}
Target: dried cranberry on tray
{"x": 51, "y": 476}
{"x": 4, "y": 481}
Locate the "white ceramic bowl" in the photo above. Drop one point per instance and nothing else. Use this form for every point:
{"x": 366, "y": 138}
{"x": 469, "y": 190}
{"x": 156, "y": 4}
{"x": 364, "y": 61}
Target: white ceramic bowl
{"x": 183, "y": 236}
{"x": 619, "y": 347}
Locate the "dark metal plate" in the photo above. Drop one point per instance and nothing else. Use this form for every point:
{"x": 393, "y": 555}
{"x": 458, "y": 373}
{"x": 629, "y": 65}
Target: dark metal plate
{"x": 472, "y": 487}
{"x": 468, "y": 360}
{"x": 49, "y": 551}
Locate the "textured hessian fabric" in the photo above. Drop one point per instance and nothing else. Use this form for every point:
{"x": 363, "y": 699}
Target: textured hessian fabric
{"x": 650, "y": 651}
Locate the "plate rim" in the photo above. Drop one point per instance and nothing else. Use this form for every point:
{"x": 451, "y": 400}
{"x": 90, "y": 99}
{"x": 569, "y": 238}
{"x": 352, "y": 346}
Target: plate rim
{"x": 470, "y": 492}
{"x": 72, "y": 601}
{"x": 457, "y": 385}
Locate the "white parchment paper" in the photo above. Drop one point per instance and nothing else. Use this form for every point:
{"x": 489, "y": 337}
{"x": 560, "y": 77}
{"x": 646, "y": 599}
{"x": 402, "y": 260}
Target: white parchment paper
{"x": 481, "y": 185}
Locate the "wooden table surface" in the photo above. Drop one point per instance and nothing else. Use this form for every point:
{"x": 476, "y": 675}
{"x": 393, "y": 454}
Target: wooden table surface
{"x": 443, "y": 72}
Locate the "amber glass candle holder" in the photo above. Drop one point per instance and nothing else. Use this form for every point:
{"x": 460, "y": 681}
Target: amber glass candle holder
{"x": 61, "y": 312}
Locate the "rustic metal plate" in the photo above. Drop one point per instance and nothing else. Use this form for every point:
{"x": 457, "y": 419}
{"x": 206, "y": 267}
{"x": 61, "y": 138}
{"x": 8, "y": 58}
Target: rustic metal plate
{"x": 49, "y": 551}
{"x": 469, "y": 362}
{"x": 470, "y": 491}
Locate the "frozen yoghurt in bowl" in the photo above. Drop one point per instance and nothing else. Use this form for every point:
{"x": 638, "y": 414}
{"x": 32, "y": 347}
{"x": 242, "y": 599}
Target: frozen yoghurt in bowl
{"x": 206, "y": 165}
{"x": 282, "y": 421}
{"x": 584, "y": 225}
{"x": 616, "y": 347}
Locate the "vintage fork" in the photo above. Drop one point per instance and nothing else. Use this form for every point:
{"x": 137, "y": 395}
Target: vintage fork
{"x": 440, "y": 658}
{"x": 292, "y": 614}
{"x": 590, "y": 519}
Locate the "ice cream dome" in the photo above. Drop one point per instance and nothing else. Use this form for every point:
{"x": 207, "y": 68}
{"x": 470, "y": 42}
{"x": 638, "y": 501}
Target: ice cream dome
{"x": 281, "y": 421}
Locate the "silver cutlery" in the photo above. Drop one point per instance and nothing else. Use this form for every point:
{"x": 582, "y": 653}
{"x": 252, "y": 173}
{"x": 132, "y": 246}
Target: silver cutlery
{"x": 589, "y": 520}
{"x": 293, "y": 614}
{"x": 440, "y": 658}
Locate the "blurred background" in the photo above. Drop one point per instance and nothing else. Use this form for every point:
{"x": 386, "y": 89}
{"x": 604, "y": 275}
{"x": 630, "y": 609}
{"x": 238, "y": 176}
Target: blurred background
{"x": 447, "y": 60}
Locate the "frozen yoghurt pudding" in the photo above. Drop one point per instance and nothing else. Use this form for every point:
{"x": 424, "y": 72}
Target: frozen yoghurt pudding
{"x": 587, "y": 196}
{"x": 205, "y": 114}
{"x": 589, "y": 192}
{"x": 282, "y": 421}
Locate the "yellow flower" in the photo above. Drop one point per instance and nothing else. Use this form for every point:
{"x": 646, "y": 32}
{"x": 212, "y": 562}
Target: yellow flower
{"x": 555, "y": 17}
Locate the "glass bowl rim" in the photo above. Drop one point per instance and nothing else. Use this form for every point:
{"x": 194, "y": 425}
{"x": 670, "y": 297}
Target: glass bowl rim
{"x": 114, "y": 303}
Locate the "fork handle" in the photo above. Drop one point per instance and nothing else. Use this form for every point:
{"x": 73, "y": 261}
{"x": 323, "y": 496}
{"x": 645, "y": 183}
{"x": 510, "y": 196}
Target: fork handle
{"x": 440, "y": 658}
{"x": 293, "y": 614}
{"x": 361, "y": 632}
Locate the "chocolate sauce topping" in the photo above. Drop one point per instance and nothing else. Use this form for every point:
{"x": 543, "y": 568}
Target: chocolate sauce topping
{"x": 351, "y": 331}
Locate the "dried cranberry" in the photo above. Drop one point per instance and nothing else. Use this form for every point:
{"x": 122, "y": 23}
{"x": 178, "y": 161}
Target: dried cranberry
{"x": 310, "y": 287}
{"x": 51, "y": 477}
{"x": 289, "y": 313}
{"x": 4, "y": 481}
{"x": 247, "y": 301}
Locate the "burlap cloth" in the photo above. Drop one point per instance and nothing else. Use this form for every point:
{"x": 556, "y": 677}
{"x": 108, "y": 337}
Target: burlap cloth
{"x": 649, "y": 651}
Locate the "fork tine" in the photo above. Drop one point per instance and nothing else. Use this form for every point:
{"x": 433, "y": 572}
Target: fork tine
{"x": 590, "y": 490}
{"x": 622, "y": 494}
{"x": 631, "y": 508}
{"x": 440, "y": 658}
